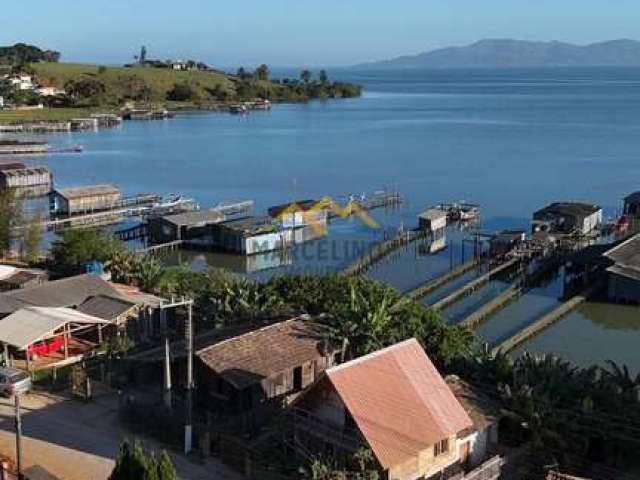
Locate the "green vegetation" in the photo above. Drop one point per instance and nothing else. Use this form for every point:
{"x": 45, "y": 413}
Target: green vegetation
{"x": 74, "y": 248}
{"x": 49, "y": 114}
{"x": 134, "y": 463}
{"x": 22, "y": 53}
{"x": 11, "y": 214}
{"x": 113, "y": 86}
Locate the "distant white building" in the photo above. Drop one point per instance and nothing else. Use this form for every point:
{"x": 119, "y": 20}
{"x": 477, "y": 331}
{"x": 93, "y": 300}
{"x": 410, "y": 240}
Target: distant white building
{"x": 179, "y": 65}
{"x": 22, "y": 82}
{"x": 49, "y": 91}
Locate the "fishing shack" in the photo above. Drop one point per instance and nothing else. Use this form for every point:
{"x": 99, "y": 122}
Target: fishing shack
{"x": 433, "y": 220}
{"x": 188, "y": 226}
{"x": 81, "y": 200}
{"x": 300, "y": 213}
{"x": 36, "y": 180}
{"x": 567, "y": 218}
{"x": 250, "y": 235}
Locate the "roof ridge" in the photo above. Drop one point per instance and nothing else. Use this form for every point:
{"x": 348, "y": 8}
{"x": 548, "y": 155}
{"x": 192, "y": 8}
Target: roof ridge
{"x": 620, "y": 245}
{"x": 371, "y": 355}
{"x": 253, "y": 332}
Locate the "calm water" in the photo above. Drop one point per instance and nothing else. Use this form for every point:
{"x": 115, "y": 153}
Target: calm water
{"x": 509, "y": 140}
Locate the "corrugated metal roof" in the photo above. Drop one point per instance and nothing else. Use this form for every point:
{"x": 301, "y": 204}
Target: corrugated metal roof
{"x": 433, "y": 214}
{"x": 30, "y": 324}
{"x": 106, "y": 307}
{"x": 68, "y": 292}
{"x": 627, "y": 254}
{"x": 89, "y": 191}
{"x": 399, "y": 401}
{"x": 249, "y": 358}
{"x": 197, "y": 218}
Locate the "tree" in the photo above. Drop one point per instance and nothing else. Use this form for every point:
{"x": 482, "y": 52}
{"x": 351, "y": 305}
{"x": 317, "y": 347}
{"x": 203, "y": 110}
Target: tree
{"x": 305, "y": 76}
{"x": 32, "y": 238}
{"x": 10, "y": 218}
{"x": 147, "y": 272}
{"x": 143, "y": 55}
{"x": 181, "y": 92}
{"x": 323, "y": 77}
{"x": 262, "y": 72}
{"x": 85, "y": 89}
{"x": 74, "y": 248}
{"x": 241, "y": 73}
{"x": 101, "y": 69}
{"x": 134, "y": 463}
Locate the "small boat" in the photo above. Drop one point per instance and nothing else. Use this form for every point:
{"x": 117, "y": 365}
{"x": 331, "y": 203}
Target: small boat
{"x": 237, "y": 109}
{"x": 460, "y": 212}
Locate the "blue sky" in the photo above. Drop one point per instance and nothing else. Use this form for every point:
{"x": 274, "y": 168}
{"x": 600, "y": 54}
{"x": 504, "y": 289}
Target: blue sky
{"x": 301, "y": 32}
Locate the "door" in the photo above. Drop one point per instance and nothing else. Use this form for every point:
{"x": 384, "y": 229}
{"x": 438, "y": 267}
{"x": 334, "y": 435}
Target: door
{"x": 465, "y": 453}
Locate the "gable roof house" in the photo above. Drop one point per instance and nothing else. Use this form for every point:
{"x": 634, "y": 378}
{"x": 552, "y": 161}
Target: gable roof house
{"x": 268, "y": 366}
{"x": 395, "y": 403}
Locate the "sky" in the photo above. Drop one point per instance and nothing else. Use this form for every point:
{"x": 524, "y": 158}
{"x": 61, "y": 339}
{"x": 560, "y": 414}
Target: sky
{"x": 300, "y": 32}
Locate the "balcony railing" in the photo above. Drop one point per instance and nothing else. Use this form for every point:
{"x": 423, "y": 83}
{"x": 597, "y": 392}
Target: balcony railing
{"x": 489, "y": 470}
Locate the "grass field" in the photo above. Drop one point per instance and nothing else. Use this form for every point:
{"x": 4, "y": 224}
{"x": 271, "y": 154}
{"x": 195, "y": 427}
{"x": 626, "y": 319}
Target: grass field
{"x": 119, "y": 80}
{"x": 19, "y": 116}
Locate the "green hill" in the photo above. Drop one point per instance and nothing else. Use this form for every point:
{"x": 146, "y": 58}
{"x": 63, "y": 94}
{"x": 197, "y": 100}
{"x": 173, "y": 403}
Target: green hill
{"x": 136, "y": 83}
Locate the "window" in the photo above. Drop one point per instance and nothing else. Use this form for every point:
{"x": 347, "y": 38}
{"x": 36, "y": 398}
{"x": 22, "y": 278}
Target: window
{"x": 297, "y": 378}
{"x": 441, "y": 447}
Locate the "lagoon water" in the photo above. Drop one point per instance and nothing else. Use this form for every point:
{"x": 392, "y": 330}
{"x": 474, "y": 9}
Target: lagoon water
{"x": 511, "y": 140}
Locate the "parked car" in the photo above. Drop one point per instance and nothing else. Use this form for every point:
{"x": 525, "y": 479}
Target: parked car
{"x": 13, "y": 382}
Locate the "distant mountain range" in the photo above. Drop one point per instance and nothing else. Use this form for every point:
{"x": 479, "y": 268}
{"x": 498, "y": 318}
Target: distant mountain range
{"x": 506, "y": 53}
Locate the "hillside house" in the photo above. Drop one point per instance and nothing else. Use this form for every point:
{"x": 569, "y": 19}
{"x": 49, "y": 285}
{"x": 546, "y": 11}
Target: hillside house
{"x": 267, "y": 367}
{"x": 567, "y": 218}
{"x": 395, "y": 403}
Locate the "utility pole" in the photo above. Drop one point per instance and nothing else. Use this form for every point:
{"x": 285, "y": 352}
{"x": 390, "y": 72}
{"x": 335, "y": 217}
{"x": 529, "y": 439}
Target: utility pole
{"x": 188, "y": 340}
{"x": 167, "y": 374}
{"x": 188, "y": 427}
{"x": 18, "y": 419}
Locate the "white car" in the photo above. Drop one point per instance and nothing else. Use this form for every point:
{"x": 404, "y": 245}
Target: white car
{"x": 13, "y": 382}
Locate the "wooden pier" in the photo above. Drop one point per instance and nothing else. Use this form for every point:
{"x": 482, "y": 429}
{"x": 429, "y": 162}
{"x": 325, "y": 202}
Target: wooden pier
{"x": 491, "y": 307}
{"x": 546, "y": 320}
{"x": 434, "y": 284}
{"x": 382, "y": 250}
{"x": 473, "y": 285}
{"x": 161, "y": 248}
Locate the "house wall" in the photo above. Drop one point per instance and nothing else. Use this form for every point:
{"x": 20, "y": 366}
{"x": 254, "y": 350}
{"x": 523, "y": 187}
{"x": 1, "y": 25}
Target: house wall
{"x": 426, "y": 465}
{"x": 623, "y": 289}
{"x": 433, "y": 224}
{"x": 87, "y": 203}
{"x": 265, "y": 243}
{"x": 591, "y": 222}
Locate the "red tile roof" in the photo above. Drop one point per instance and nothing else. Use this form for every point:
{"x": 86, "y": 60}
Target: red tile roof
{"x": 399, "y": 401}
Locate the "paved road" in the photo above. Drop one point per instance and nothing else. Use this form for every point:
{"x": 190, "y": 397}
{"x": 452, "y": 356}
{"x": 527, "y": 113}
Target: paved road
{"x": 78, "y": 441}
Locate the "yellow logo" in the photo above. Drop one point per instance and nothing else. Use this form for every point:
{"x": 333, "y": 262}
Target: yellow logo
{"x": 315, "y": 215}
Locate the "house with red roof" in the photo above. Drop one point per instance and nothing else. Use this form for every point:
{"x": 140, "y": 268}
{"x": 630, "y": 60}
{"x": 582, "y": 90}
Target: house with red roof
{"x": 395, "y": 403}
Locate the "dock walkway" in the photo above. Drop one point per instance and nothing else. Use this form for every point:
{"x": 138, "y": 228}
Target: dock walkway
{"x": 473, "y": 285}
{"x": 434, "y": 284}
{"x": 546, "y": 320}
{"x": 382, "y": 250}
